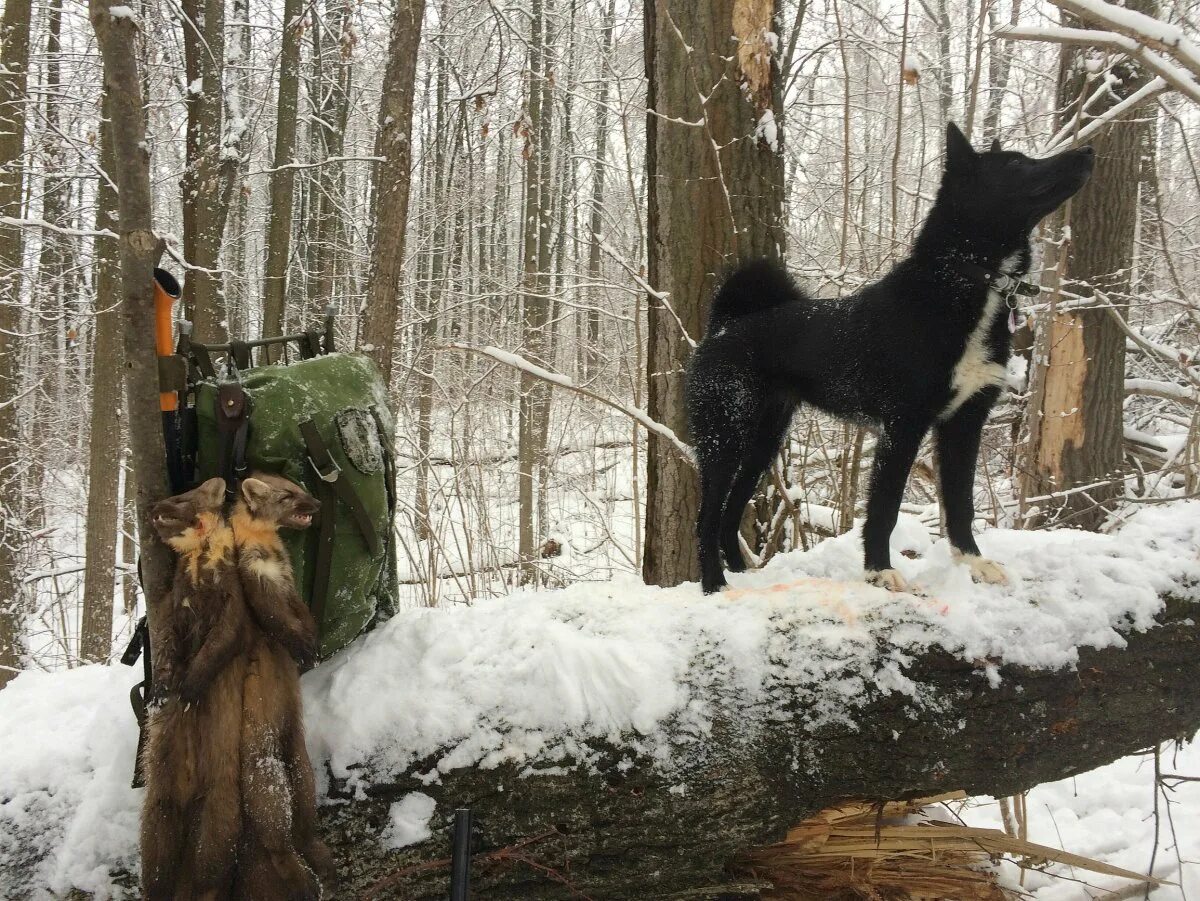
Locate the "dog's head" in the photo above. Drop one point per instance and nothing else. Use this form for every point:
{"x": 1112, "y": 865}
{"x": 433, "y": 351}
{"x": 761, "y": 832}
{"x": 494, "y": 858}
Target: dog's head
{"x": 1002, "y": 192}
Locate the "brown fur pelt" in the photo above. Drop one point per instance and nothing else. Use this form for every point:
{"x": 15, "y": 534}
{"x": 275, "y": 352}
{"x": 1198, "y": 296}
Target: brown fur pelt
{"x": 280, "y": 850}
{"x": 192, "y": 813}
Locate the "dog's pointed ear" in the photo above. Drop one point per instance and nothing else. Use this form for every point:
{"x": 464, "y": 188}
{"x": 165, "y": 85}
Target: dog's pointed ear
{"x": 995, "y": 145}
{"x": 959, "y": 152}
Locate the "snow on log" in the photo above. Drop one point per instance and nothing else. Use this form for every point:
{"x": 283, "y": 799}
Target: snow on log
{"x": 620, "y": 741}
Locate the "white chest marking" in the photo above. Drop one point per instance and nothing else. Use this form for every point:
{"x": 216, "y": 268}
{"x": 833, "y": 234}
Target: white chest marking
{"x": 974, "y": 371}
{"x": 266, "y": 569}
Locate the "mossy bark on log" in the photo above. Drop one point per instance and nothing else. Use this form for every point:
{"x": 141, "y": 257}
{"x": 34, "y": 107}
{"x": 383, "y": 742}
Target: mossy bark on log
{"x": 621, "y": 830}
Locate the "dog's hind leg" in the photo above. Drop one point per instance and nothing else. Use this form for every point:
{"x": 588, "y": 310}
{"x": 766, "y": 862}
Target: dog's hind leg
{"x": 768, "y": 438}
{"x": 958, "y": 451}
{"x": 724, "y": 406}
{"x": 715, "y": 479}
{"x": 894, "y": 455}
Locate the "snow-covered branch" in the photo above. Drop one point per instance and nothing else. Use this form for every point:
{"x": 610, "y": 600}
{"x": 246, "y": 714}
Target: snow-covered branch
{"x": 1174, "y": 75}
{"x": 1164, "y": 37}
{"x": 516, "y": 361}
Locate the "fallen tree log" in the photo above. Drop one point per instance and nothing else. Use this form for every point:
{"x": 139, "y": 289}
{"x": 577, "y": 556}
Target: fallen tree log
{"x": 618, "y": 829}
{"x": 623, "y": 742}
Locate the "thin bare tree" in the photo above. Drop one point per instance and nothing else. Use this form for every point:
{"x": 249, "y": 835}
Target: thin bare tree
{"x": 14, "y": 74}
{"x": 393, "y": 177}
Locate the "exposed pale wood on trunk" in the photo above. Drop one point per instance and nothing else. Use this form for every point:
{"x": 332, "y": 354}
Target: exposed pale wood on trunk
{"x": 1074, "y": 424}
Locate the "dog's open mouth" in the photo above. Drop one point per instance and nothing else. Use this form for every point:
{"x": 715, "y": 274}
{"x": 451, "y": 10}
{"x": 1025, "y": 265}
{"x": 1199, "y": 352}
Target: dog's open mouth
{"x": 302, "y": 520}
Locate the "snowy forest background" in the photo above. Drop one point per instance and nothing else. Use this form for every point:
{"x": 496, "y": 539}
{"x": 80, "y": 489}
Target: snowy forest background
{"x": 864, "y": 92}
{"x": 527, "y": 238}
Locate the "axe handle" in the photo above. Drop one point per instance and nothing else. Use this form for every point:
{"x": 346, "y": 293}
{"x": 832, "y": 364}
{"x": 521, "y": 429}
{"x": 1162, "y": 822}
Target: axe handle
{"x": 166, "y": 292}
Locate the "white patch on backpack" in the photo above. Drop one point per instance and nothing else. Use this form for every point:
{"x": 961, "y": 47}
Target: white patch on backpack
{"x": 975, "y": 370}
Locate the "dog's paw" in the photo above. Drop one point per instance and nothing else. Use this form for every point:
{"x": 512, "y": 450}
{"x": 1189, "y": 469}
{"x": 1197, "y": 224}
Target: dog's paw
{"x": 887, "y": 578}
{"x": 984, "y": 570}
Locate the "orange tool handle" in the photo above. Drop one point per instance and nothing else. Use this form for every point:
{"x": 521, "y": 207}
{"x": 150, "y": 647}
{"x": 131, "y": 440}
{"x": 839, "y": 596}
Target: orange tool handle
{"x": 166, "y": 292}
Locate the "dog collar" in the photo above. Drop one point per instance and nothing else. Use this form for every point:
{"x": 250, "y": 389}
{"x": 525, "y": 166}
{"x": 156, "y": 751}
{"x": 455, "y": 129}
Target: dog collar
{"x": 1006, "y": 284}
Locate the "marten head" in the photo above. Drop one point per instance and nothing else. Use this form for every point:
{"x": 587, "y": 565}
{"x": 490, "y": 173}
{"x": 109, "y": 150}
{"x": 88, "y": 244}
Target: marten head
{"x": 186, "y": 521}
{"x": 275, "y": 499}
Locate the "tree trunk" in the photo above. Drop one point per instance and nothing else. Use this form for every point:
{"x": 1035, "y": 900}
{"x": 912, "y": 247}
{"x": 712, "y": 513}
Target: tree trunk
{"x": 336, "y": 73}
{"x": 283, "y": 177}
{"x": 596, "y": 222}
{"x": 393, "y": 177}
{"x": 207, "y": 182}
{"x": 708, "y": 210}
{"x": 1074, "y": 418}
{"x": 999, "y": 67}
{"x": 240, "y": 82}
{"x": 675, "y": 837}
{"x": 104, "y": 455}
{"x": 140, "y": 249}
{"x": 437, "y": 196}
{"x": 56, "y": 298}
{"x": 14, "y": 72}
{"x": 534, "y": 404}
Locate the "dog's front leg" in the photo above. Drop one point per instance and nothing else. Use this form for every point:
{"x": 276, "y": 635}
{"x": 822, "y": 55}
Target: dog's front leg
{"x": 895, "y": 452}
{"x": 958, "y": 451}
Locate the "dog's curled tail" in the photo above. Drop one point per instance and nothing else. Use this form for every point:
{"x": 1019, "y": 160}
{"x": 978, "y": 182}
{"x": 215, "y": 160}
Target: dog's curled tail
{"x": 752, "y": 287}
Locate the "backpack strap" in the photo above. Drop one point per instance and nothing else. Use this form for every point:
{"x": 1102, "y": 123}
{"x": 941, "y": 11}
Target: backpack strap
{"x": 240, "y": 351}
{"x": 233, "y": 427}
{"x": 310, "y": 345}
{"x": 323, "y": 561}
{"x": 329, "y": 491}
{"x": 326, "y": 467}
{"x": 140, "y": 694}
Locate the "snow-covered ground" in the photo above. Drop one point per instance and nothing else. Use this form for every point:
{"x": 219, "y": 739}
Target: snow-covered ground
{"x": 530, "y": 676}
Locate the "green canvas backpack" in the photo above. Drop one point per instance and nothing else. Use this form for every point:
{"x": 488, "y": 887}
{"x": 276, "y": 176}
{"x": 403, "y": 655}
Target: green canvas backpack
{"x": 324, "y": 423}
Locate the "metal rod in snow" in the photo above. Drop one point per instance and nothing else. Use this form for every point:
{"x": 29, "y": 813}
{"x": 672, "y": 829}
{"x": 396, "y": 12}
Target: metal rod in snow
{"x": 460, "y": 860}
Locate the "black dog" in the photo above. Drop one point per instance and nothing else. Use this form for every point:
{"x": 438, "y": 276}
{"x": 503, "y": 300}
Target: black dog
{"x": 925, "y": 346}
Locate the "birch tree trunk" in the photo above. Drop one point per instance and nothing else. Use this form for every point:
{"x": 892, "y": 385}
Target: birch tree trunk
{"x": 393, "y": 178}
{"x": 715, "y": 198}
{"x": 95, "y": 632}
{"x": 1074, "y": 418}
{"x": 14, "y": 72}
{"x": 283, "y": 177}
